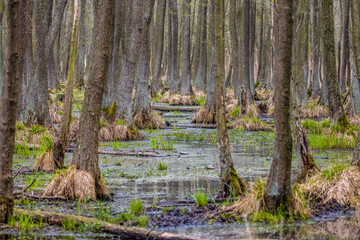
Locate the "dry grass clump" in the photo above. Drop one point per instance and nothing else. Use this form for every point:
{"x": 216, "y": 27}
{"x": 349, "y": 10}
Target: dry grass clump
{"x": 230, "y": 95}
{"x": 354, "y": 120}
{"x": 72, "y": 184}
{"x": 199, "y": 95}
{"x": 177, "y": 99}
{"x": 119, "y": 131}
{"x": 45, "y": 162}
{"x": 30, "y": 135}
{"x": 263, "y": 94}
{"x": 204, "y": 115}
{"x": 313, "y": 110}
{"x": 55, "y": 113}
{"x": 166, "y": 97}
{"x": 337, "y": 183}
{"x": 150, "y": 120}
{"x": 74, "y": 130}
{"x": 251, "y": 124}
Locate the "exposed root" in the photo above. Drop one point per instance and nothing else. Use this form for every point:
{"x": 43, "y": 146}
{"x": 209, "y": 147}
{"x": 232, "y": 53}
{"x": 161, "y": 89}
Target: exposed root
{"x": 45, "y": 162}
{"x": 343, "y": 188}
{"x": 150, "y": 120}
{"x": 116, "y": 132}
{"x": 204, "y": 115}
{"x": 76, "y": 184}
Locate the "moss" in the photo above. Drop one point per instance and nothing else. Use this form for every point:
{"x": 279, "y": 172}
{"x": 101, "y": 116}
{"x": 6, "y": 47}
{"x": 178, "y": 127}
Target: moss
{"x": 343, "y": 121}
{"x": 237, "y": 183}
{"x": 6, "y": 209}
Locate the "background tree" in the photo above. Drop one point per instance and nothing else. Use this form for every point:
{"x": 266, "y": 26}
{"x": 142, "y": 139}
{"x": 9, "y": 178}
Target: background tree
{"x": 278, "y": 186}
{"x": 83, "y": 178}
{"x": 9, "y": 96}
{"x": 230, "y": 180}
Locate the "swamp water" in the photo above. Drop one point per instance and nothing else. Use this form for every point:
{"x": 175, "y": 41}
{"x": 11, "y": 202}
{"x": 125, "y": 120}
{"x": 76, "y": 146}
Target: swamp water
{"x": 191, "y": 166}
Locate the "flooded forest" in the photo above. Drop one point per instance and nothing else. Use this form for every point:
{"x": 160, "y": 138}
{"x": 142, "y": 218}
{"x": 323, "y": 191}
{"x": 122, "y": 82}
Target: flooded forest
{"x": 179, "y": 119}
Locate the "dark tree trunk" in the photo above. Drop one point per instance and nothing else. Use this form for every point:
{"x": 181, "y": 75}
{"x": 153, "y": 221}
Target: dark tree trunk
{"x": 278, "y": 187}
{"x": 156, "y": 83}
{"x": 185, "y": 81}
{"x": 84, "y": 178}
{"x": 337, "y": 114}
{"x": 228, "y": 175}
{"x": 80, "y": 63}
{"x": 246, "y": 50}
{"x": 234, "y": 48}
{"x": 252, "y": 45}
{"x": 9, "y": 96}
{"x": 345, "y": 47}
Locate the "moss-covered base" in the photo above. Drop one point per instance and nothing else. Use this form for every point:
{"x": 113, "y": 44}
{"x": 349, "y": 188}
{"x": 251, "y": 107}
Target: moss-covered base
{"x": 6, "y": 209}
{"x": 77, "y": 184}
{"x": 232, "y": 185}
{"x": 112, "y": 132}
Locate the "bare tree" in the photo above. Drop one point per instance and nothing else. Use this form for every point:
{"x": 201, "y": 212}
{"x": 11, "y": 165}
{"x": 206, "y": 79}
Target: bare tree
{"x": 9, "y": 97}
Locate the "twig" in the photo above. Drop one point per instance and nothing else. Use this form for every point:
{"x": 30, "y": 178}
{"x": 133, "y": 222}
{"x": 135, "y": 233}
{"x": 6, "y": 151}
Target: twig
{"x": 18, "y": 171}
{"x": 18, "y": 193}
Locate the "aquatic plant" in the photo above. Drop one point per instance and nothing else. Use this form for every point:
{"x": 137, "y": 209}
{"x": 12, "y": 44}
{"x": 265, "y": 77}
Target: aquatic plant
{"x": 162, "y": 166}
{"x": 200, "y": 198}
{"x": 136, "y": 207}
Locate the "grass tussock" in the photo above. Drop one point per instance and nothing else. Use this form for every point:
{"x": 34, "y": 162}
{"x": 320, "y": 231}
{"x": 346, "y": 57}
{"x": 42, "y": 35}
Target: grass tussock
{"x": 251, "y": 122}
{"x": 184, "y": 100}
{"x": 205, "y": 115}
{"x": 313, "y": 110}
{"x": 263, "y": 94}
{"x": 250, "y": 206}
{"x": 30, "y": 135}
{"x": 337, "y": 183}
{"x": 73, "y": 184}
{"x": 45, "y": 160}
{"x": 118, "y": 131}
{"x": 148, "y": 121}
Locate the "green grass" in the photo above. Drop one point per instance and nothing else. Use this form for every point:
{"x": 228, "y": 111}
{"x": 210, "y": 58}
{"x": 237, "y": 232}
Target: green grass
{"x": 235, "y": 112}
{"x": 200, "y": 198}
{"x": 37, "y": 129}
{"x": 333, "y": 172}
{"x": 22, "y": 150}
{"x": 20, "y": 126}
{"x": 162, "y": 166}
{"x": 46, "y": 144}
{"x": 25, "y": 223}
{"x": 280, "y": 215}
{"x": 136, "y": 207}
{"x": 329, "y": 141}
{"x": 165, "y": 144}
{"x": 119, "y": 122}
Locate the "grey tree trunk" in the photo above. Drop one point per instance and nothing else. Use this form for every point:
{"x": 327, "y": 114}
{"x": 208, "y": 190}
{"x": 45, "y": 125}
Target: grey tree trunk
{"x": 156, "y": 83}
{"x": 172, "y": 77}
{"x": 278, "y": 186}
{"x": 129, "y": 63}
{"x": 185, "y": 80}
{"x": 345, "y": 47}
{"x": 246, "y": 50}
{"x": 141, "y": 102}
{"x": 252, "y": 45}
{"x": 200, "y": 80}
{"x": 80, "y": 68}
{"x": 315, "y": 50}
{"x": 8, "y": 104}
{"x": 235, "y": 48}
{"x": 337, "y": 114}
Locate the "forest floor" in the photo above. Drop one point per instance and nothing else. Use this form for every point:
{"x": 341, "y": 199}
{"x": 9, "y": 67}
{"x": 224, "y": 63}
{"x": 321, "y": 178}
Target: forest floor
{"x": 183, "y": 161}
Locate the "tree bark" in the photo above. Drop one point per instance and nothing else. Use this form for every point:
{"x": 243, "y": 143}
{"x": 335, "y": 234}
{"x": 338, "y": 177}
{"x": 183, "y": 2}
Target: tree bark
{"x": 234, "y": 48}
{"x": 8, "y": 104}
{"x": 156, "y": 83}
{"x": 278, "y": 186}
{"x": 315, "y": 50}
{"x": 337, "y": 114}
{"x": 61, "y": 140}
{"x": 246, "y": 50}
{"x": 228, "y": 175}
{"x": 186, "y": 88}
{"x": 129, "y": 63}
{"x": 345, "y": 47}
{"x": 172, "y": 76}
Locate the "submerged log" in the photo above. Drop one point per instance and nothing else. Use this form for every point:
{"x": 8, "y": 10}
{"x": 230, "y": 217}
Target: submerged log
{"x": 105, "y": 227}
{"x": 176, "y": 108}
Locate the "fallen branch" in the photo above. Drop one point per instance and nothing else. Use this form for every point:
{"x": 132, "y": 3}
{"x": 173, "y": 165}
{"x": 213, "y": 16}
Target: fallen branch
{"x": 38, "y": 197}
{"x": 18, "y": 171}
{"x": 208, "y": 126}
{"x": 19, "y": 193}
{"x": 176, "y": 108}
{"x": 124, "y": 153}
{"x": 123, "y": 232}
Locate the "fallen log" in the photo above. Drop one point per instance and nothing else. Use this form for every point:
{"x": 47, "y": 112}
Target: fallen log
{"x": 206, "y": 126}
{"x": 126, "y": 153}
{"x": 176, "y": 108}
{"x": 37, "y": 197}
{"x": 105, "y": 227}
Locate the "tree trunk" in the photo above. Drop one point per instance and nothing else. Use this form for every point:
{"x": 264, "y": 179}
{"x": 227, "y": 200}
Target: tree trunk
{"x": 228, "y": 175}
{"x": 186, "y": 88}
{"x": 61, "y": 140}
{"x": 130, "y": 62}
{"x": 246, "y": 50}
{"x": 84, "y": 178}
{"x": 81, "y": 39}
{"x": 172, "y": 77}
{"x": 141, "y": 108}
{"x": 337, "y": 114}
{"x": 234, "y": 48}
{"x": 355, "y": 35}
{"x": 345, "y": 47}
{"x": 156, "y": 83}
{"x": 315, "y": 50}
{"x": 278, "y": 187}
{"x": 9, "y": 97}
{"x": 200, "y": 80}
{"x": 252, "y": 45}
